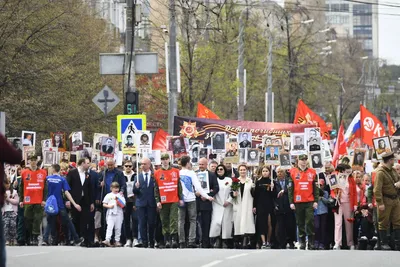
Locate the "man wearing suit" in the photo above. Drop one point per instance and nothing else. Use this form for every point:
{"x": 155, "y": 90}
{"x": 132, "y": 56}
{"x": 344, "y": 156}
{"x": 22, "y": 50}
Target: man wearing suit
{"x": 284, "y": 215}
{"x": 245, "y": 143}
{"x": 146, "y": 203}
{"x": 108, "y": 148}
{"x": 204, "y": 206}
{"x": 271, "y": 155}
{"x": 79, "y": 181}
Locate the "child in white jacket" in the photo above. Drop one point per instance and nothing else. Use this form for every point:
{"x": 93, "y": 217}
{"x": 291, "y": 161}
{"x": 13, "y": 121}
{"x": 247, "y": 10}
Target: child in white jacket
{"x": 115, "y": 214}
{"x": 9, "y": 212}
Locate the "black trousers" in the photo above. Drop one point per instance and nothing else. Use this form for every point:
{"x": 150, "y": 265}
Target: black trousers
{"x": 286, "y": 223}
{"x": 131, "y": 227}
{"x": 81, "y": 221}
{"x": 205, "y": 222}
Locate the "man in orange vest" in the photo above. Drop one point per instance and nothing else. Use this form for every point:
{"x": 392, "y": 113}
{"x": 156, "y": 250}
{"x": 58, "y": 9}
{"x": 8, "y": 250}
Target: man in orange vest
{"x": 32, "y": 188}
{"x": 303, "y": 195}
{"x": 167, "y": 192}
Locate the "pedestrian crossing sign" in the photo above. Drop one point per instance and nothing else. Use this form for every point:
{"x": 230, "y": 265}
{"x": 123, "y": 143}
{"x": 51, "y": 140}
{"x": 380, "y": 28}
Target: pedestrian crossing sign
{"x": 129, "y": 125}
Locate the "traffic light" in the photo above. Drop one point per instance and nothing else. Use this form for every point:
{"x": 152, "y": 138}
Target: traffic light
{"x": 131, "y": 103}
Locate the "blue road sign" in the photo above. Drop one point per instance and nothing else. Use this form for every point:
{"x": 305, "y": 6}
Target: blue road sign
{"x": 129, "y": 124}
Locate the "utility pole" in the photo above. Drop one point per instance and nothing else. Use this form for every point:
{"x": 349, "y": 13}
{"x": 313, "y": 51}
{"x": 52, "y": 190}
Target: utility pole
{"x": 130, "y": 83}
{"x": 270, "y": 104}
{"x": 241, "y": 67}
{"x": 172, "y": 69}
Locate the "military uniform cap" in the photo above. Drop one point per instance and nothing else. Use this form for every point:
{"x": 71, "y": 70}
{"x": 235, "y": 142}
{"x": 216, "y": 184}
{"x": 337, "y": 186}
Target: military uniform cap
{"x": 387, "y": 155}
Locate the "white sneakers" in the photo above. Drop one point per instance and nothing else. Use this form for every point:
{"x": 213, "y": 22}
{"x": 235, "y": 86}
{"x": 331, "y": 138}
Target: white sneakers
{"x": 135, "y": 242}
{"x": 352, "y": 247}
{"x": 337, "y": 247}
{"x": 128, "y": 243}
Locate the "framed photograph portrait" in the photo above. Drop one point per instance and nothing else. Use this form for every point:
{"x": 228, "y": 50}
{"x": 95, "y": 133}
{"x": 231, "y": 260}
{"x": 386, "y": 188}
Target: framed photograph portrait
{"x": 286, "y": 143}
{"x": 47, "y": 144}
{"x": 326, "y": 150}
{"x": 107, "y": 146}
{"x": 28, "y": 138}
{"x": 97, "y": 140}
{"x": 272, "y": 155}
{"x": 253, "y": 157}
{"x": 144, "y": 139}
{"x": 359, "y": 158}
{"x": 27, "y": 153}
{"x": 267, "y": 140}
{"x": 203, "y": 152}
{"x": 297, "y": 142}
{"x": 311, "y": 133}
{"x": 314, "y": 144}
{"x": 332, "y": 181}
{"x": 242, "y": 155}
{"x": 204, "y": 181}
{"x": 395, "y": 142}
{"x": 381, "y": 145}
{"x": 277, "y": 141}
{"x": 16, "y": 143}
{"x": 316, "y": 160}
{"x": 76, "y": 140}
{"x": 244, "y": 140}
{"x": 284, "y": 160}
{"x": 178, "y": 147}
{"x": 58, "y": 139}
{"x": 218, "y": 142}
{"x": 64, "y": 156}
{"x": 49, "y": 158}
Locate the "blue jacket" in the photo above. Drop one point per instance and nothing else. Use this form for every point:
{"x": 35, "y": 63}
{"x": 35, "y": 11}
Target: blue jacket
{"x": 322, "y": 204}
{"x": 145, "y": 195}
{"x": 118, "y": 177}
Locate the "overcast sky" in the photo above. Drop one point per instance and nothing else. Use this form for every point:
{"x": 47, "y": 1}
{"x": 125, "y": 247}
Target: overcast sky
{"x": 389, "y": 33}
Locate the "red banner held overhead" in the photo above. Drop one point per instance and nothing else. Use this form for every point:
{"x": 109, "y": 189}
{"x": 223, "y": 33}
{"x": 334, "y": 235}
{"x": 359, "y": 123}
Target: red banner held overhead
{"x": 160, "y": 140}
{"x": 340, "y": 146}
{"x": 204, "y": 112}
{"x": 304, "y": 115}
{"x": 391, "y": 128}
{"x": 371, "y": 126}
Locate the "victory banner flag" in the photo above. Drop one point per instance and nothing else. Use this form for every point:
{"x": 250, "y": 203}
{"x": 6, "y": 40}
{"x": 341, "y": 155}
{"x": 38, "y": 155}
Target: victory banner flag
{"x": 371, "y": 126}
{"x": 204, "y": 112}
{"x": 304, "y": 115}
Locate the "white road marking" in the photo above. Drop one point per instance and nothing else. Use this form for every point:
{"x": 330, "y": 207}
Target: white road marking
{"x": 30, "y": 254}
{"x": 258, "y": 251}
{"x": 212, "y": 263}
{"x": 236, "y": 256}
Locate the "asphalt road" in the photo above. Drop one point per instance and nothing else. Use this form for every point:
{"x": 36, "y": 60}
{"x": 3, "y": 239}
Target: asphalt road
{"x": 95, "y": 257}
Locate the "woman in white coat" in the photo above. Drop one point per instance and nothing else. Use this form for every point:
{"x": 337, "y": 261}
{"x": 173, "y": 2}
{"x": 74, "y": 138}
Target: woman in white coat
{"x": 243, "y": 216}
{"x": 222, "y": 214}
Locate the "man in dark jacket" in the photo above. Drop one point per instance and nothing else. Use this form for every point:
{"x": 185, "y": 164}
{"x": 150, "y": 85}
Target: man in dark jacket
{"x": 284, "y": 215}
{"x": 204, "y": 206}
{"x": 9, "y": 155}
{"x": 107, "y": 177}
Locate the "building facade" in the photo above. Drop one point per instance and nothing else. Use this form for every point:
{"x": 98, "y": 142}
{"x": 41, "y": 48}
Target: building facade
{"x": 358, "y": 20}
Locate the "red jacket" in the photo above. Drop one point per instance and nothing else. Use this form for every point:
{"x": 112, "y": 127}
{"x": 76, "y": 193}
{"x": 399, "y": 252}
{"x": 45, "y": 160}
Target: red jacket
{"x": 8, "y": 154}
{"x": 352, "y": 191}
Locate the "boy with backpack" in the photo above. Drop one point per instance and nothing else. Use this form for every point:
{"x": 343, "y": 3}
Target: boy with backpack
{"x": 54, "y": 205}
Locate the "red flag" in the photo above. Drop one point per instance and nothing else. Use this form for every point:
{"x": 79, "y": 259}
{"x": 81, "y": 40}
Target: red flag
{"x": 390, "y": 125}
{"x": 340, "y": 146}
{"x": 371, "y": 126}
{"x": 160, "y": 140}
{"x": 204, "y": 112}
{"x": 304, "y": 115}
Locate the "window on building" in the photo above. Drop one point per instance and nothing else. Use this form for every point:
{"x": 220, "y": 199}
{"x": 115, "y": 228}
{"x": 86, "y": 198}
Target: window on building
{"x": 344, "y": 7}
{"x": 335, "y": 7}
{"x": 362, "y": 9}
{"x": 367, "y": 44}
{"x": 345, "y": 19}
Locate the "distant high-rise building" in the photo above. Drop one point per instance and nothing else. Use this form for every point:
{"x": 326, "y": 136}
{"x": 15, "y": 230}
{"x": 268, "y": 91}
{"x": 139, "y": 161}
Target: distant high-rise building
{"x": 358, "y": 20}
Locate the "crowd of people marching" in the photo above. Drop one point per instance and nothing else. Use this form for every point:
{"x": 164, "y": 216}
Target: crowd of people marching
{"x": 166, "y": 206}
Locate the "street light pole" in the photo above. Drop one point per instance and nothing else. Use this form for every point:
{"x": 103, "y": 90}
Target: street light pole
{"x": 173, "y": 87}
{"x": 241, "y": 67}
{"x": 269, "y": 88}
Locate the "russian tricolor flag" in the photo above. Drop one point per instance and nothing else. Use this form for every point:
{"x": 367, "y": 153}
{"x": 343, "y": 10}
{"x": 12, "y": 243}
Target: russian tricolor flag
{"x": 354, "y": 129}
{"x": 120, "y": 201}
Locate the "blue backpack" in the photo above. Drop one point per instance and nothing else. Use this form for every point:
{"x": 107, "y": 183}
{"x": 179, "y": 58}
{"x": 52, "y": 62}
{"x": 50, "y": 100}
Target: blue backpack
{"x": 51, "y": 207}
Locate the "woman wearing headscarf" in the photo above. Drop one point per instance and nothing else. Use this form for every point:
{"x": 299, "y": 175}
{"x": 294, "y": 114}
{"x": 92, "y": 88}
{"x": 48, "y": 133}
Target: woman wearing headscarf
{"x": 221, "y": 223}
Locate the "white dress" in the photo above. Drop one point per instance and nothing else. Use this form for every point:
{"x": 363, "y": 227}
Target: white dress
{"x": 222, "y": 217}
{"x": 243, "y": 216}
